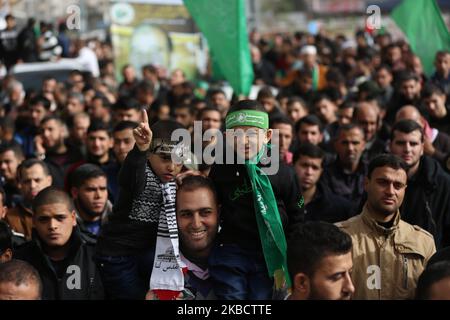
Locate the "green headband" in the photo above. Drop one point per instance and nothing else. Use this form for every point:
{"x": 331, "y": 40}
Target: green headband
{"x": 251, "y": 118}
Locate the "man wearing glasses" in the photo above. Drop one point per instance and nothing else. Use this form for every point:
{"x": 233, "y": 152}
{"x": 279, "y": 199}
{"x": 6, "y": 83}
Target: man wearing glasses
{"x": 388, "y": 254}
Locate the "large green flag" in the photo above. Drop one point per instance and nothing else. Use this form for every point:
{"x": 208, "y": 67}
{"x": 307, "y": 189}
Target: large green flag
{"x": 422, "y": 23}
{"x": 223, "y": 23}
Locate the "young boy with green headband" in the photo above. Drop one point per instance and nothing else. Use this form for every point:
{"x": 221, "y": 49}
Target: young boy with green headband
{"x": 258, "y": 210}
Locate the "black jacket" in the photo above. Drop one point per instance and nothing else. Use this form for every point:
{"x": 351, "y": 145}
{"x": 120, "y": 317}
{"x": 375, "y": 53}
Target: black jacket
{"x": 238, "y": 215}
{"x": 79, "y": 280}
{"x": 349, "y": 186}
{"x": 427, "y": 201}
{"x": 121, "y": 235}
{"x": 328, "y": 207}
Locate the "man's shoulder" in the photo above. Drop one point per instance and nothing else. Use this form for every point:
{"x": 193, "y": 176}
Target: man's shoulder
{"x": 412, "y": 238}
{"x": 416, "y": 232}
{"x": 351, "y": 225}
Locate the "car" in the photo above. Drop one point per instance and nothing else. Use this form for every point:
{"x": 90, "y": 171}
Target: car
{"x": 32, "y": 74}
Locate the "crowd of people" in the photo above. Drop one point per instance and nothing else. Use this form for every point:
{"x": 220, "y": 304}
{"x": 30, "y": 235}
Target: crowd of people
{"x": 93, "y": 205}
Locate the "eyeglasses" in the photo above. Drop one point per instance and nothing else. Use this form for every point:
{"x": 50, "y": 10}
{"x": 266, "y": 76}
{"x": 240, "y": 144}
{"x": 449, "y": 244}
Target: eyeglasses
{"x": 385, "y": 183}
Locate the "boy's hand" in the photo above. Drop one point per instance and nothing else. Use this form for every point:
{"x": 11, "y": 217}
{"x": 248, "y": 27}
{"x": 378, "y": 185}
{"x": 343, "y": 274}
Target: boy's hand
{"x": 179, "y": 178}
{"x": 142, "y": 134}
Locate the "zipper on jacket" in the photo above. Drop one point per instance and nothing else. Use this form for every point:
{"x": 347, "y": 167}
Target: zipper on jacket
{"x": 405, "y": 272}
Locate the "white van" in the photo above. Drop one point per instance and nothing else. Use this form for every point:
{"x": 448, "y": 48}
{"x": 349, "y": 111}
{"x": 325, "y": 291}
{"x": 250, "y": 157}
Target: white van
{"x": 31, "y": 75}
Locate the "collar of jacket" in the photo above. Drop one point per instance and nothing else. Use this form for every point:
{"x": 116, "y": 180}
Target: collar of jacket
{"x": 75, "y": 241}
{"x": 375, "y": 226}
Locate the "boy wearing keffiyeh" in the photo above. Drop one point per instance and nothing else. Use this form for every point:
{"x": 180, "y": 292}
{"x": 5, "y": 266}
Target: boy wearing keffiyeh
{"x": 141, "y": 237}
{"x": 258, "y": 212}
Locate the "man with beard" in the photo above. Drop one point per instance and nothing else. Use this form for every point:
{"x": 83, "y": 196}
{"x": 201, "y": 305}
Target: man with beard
{"x": 53, "y": 150}
{"x": 32, "y": 175}
{"x": 90, "y": 194}
{"x": 320, "y": 263}
{"x": 427, "y": 200}
{"x": 390, "y": 254}
{"x": 345, "y": 176}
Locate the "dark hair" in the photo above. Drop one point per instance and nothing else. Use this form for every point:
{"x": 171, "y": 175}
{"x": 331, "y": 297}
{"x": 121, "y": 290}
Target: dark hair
{"x": 386, "y": 160}
{"x": 124, "y": 103}
{"x": 280, "y": 120}
{"x": 20, "y": 273}
{"x": 207, "y": 109}
{"x": 432, "y": 274}
{"x": 189, "y": 107}
{"x": 100, "y": 96}
{"x": 311, "y": 120}
{"x": 150, "y": 68}
{"x": 264, "y": 93}
{"x": 28, "y": 163}
{"x": 163, "y": 129}
{"x": 384, "y": 67}
{"x": 5, "y": 237}
{"x": 348, "y": 127}
{"x": 407, "y": 126}
{"x": 319, "y": 96}
{"x": 293, "y": 100}
{"x": 122, "y": 125}
{"x": 85, "y": 172}
{"x": 408, "y": 75}
{"x": 41, "y": 100}
{"x": 309, "y": 150}
{"x": 431, "y": 89}
{"x": 145, "y": 86}
{"x": 442, "y": 53}
{"x": 51, "y": 195}
{"x": 247, "y": 105}
{"x": 14, "y": 147}
{"x": 52, "y": 117}
{"x": 99, "y": 125}
{"x": 213, "y": 91}
{"x": 192, "y": 183}
{"x": 311, "y": 242}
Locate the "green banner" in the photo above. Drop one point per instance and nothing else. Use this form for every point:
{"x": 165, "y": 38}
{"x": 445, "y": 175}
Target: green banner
{"x": 223, "y": 23}
{"x": 422, "y": 23}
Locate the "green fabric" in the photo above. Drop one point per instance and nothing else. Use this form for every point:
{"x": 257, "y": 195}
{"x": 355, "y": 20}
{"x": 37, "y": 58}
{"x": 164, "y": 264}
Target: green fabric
{"x": 269, "y": 224}
{"x": 422, "y": 23}
{"x": 251, "y": 118}
{"x": 223, "y": 23}
{"x": 315, "y": 78}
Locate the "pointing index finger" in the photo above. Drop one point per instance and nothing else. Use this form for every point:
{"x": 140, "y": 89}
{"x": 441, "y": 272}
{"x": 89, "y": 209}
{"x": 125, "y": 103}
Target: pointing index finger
{"x": 144, "y": 115}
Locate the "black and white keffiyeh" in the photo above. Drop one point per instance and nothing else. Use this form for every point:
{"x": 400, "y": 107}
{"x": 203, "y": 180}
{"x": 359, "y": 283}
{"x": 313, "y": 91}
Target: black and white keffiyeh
{"x": 167, "y": 273}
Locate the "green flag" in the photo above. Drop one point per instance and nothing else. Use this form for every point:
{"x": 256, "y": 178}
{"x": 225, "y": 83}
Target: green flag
{"x": 422, "y": 23}
{"x": 223, "y": 23}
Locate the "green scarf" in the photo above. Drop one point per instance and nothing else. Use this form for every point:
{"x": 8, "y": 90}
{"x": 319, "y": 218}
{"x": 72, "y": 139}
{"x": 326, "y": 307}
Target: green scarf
{"x": 315, "y": 78}
{"x": 269, "y": 223}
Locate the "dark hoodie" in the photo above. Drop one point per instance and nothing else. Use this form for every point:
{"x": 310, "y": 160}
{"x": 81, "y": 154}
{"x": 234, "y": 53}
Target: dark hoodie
{"x": 238, "y": 215}
{"x": 427, "y": 201}
{"x": 74, "y": 278}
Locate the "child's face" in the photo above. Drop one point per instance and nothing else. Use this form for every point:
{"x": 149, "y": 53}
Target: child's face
{"x": 250, "y": 141}
{"x": 164, "y": 167}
